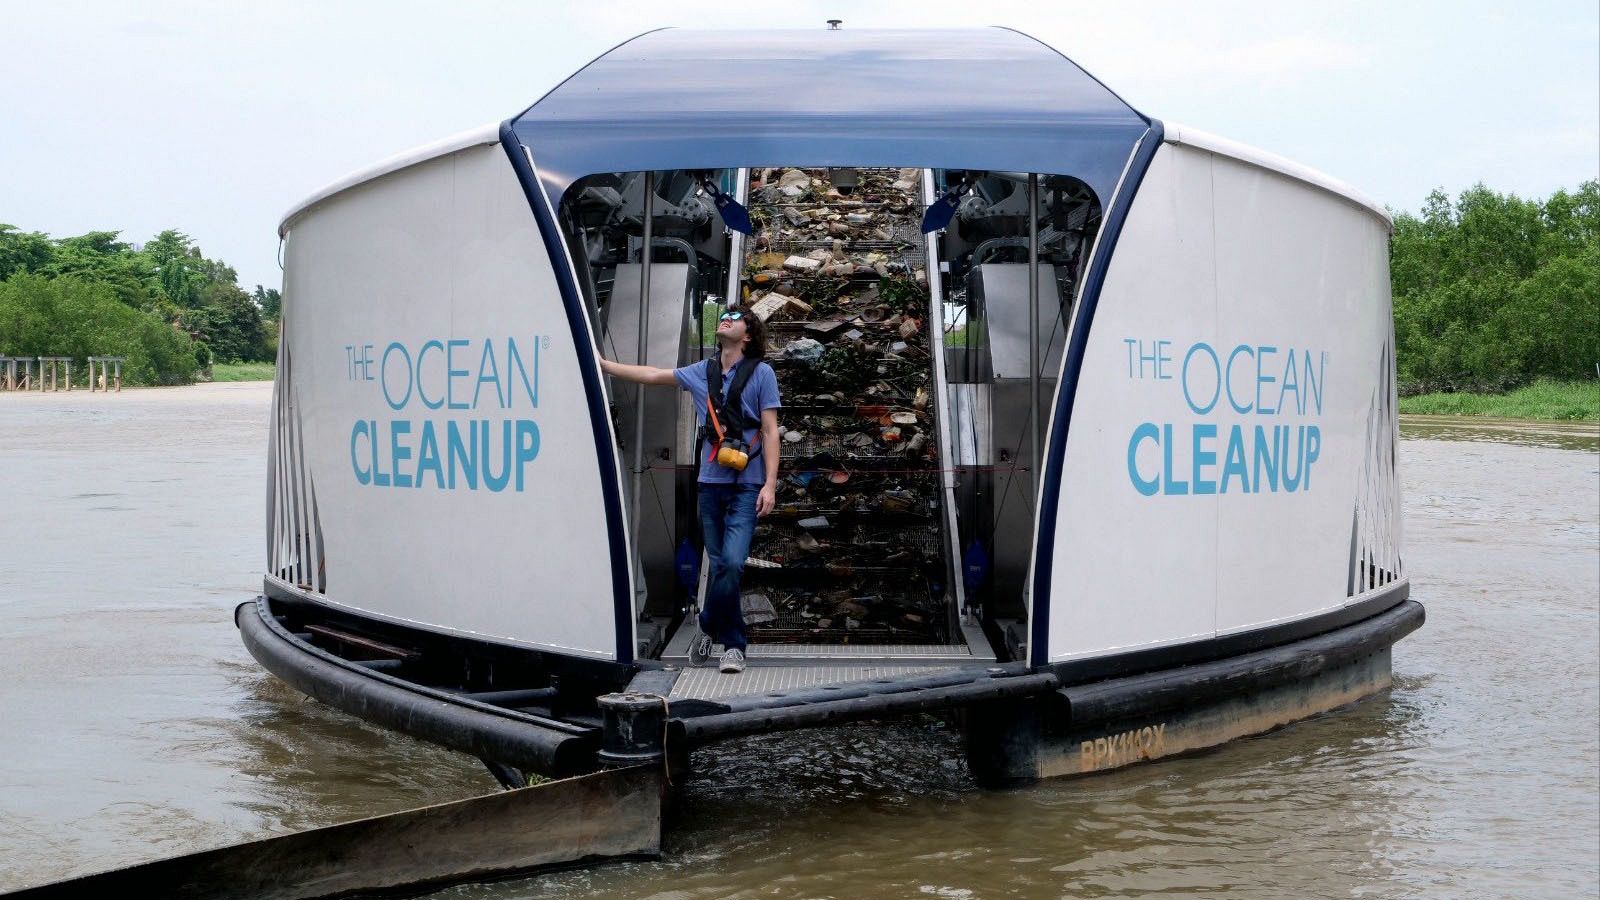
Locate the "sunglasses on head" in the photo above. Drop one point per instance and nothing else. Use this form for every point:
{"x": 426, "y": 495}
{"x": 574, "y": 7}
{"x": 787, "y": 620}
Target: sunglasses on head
{"x": 731, "y": 316}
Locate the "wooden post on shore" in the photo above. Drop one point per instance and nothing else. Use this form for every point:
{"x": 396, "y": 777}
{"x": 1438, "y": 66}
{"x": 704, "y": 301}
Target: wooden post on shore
{"x": 107, "y": 382}
{"x": 59, "y": 365}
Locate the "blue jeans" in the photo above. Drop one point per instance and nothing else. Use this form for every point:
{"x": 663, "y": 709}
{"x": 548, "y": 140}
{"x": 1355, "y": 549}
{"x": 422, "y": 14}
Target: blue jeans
{"x": 727, "y": 522}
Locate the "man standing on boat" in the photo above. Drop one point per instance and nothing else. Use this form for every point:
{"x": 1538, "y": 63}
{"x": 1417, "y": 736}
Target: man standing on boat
{"x": 736, "y": 404}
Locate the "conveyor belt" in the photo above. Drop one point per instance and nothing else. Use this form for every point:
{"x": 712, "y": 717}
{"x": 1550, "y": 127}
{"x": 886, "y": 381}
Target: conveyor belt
{"x": 857, "y": 539}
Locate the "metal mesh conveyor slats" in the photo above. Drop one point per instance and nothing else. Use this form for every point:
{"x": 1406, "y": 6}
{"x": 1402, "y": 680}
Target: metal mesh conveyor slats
{"x": 839, "y": 278}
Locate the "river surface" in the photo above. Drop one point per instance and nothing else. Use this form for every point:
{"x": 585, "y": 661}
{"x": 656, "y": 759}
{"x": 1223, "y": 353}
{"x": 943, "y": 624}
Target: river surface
{"x": 133, "y": 725}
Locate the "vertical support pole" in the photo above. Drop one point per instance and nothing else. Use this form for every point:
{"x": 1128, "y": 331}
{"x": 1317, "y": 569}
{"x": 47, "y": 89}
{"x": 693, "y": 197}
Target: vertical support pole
{"x": 1033, "y": 332}
{"x": 731, "y": 292}
{"x": 119, "y": 375}
{"x": 69, "y": 376}
{"x": 638, "y": 403}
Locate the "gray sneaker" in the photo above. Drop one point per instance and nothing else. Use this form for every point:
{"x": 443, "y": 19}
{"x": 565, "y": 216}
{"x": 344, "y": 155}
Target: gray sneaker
{"x": 699, "y": 648}
{"x": 733, "y": 662}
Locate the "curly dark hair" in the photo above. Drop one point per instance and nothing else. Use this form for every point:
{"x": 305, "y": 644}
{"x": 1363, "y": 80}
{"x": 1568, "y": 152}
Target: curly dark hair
{"x": 756, "y": 330}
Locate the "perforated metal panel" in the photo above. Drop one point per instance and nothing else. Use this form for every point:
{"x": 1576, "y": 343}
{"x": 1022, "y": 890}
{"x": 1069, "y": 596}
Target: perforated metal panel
{"x": 1375, "y": 530}
{"x": 294, "y": 527}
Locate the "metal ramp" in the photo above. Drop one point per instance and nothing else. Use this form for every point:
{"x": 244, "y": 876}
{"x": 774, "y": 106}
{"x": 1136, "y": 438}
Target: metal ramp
{"x": 707, "y": 683}
{"x": 781, "y": 666}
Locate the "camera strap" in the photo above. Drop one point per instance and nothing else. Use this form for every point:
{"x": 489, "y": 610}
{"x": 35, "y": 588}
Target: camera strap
{"x": 728, "y": 407}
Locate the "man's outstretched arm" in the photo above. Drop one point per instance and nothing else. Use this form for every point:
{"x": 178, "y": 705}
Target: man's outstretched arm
{"x": 638, "y": 374}
{"x": 768, "y": 497}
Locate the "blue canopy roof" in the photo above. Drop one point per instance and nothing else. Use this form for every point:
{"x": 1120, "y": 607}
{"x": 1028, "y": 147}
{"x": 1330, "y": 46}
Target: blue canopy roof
{"x": 985, "y": 98}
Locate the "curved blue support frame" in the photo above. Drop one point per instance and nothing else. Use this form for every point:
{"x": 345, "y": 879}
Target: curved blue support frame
{"x": 1061, "y": 420}
{"x": 687, "y": 99}
{"x": 604, "y": 448}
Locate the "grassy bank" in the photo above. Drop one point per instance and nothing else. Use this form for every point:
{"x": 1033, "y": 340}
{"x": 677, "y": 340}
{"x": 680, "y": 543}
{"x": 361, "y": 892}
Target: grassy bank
{"x": 1553, "y": 400}
{"x": 250, "y": 371}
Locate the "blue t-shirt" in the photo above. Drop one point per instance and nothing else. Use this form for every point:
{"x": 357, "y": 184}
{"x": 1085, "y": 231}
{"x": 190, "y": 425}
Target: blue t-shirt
{"x": 760, "y": 393}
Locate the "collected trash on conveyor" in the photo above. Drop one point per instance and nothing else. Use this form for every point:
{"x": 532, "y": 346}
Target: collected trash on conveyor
{"x": 851, "y": 553}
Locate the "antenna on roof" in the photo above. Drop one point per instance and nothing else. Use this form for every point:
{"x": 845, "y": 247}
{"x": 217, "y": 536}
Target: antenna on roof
{"x": 833, "y": 24}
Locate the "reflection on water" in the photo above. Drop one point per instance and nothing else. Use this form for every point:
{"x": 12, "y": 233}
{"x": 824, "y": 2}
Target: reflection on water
{"x": 1560, "y": 435}
{"x": 1257, "y": 815}
{"x": 138, "y": 727}
{"x": 315, "y": 766}
{"x": 134, "y": 723}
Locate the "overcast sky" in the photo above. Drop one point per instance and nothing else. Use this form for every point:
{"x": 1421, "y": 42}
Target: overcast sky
{"x": 215, "y": 119}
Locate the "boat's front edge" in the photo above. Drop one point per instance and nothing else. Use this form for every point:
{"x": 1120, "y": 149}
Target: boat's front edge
{"x": 499, "y": 735}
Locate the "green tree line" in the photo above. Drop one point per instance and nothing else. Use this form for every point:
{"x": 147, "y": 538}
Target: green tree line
{"x": 164, "y": 305}
{"x": 1492, "y": 292}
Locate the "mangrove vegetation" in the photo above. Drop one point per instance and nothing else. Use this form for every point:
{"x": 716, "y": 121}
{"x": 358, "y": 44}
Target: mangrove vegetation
{"x": 1493, "y": 292}
{"x": 163, "y": 305}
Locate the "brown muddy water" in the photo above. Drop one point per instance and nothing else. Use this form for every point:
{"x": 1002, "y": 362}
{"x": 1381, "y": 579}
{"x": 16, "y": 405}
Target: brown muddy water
{"x": 133, "y": 725}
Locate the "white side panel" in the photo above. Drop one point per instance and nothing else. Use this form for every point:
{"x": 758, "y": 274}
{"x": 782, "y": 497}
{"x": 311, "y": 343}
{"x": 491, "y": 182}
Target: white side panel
{"x": 1131, "y": 570}
{"x": 1261, "y": 159}
{"x": 1186, "y": 508}
{"x": 1297, "y": 271}
{"x": 406, "y": 297}
{"x": 482, "y": 135}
